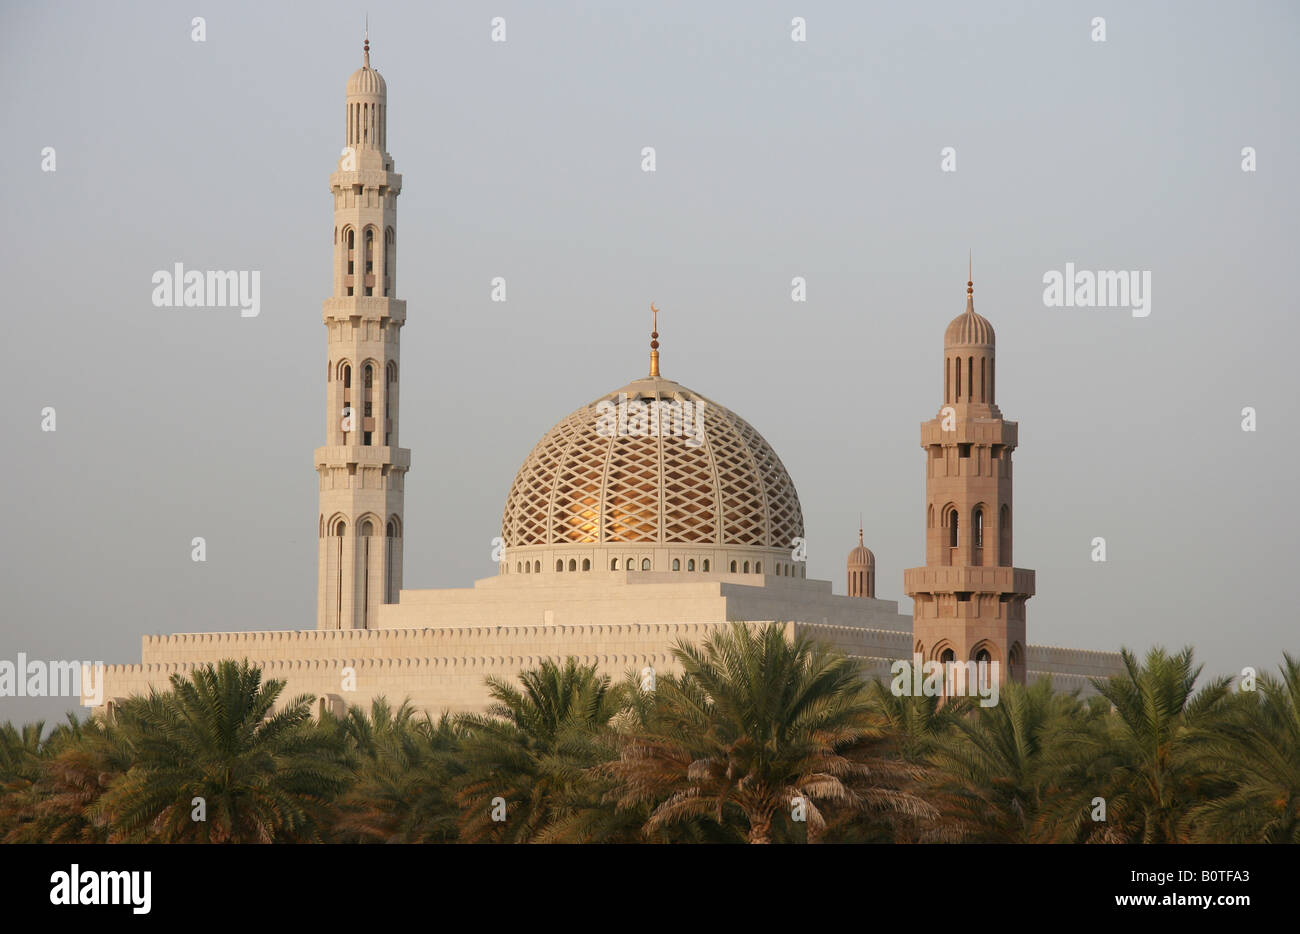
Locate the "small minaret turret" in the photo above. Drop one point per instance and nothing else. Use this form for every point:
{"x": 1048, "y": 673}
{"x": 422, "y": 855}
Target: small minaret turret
{"x": 862, "y": 570}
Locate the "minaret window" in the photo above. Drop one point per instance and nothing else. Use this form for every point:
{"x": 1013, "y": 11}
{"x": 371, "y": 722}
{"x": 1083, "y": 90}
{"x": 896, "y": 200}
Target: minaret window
{"x": 705, "y": 566}
{"x": 388, "y": 260}
{"x": 983, "y": 662}
{"x": 370, "y": 262}
{"x": 970, "y": 379}
{"x": 979, "y": 528}
{"x": 690, "y": 564}
{"x": 983, "y": 362}
{"x": 677, "y": 564}
{"x": 958, "y": 397}
{"x": 952, "y": 529}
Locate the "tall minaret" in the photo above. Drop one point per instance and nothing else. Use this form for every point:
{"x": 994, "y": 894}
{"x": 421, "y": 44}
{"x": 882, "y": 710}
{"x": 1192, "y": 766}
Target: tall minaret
{"x": 969, "y": 600}
{"x": 361, "y": 467}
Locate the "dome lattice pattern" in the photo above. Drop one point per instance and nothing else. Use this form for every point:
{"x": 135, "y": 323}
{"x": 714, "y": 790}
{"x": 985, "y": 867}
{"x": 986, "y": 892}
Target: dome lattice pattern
{"x": 581, "y": 486}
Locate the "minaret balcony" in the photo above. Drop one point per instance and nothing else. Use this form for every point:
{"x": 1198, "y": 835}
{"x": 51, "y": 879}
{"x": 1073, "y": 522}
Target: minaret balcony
{"x": 363, "y": 454}
{"x": 971, "y": 431}
{"x": 1000, "y": 580}
{"x": 363, "y": 306}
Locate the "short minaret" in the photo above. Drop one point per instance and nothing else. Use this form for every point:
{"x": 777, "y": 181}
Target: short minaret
{"x": 862, "y": 570}
{"x": 969, "y": 600}
{"x": 362, "y": 469}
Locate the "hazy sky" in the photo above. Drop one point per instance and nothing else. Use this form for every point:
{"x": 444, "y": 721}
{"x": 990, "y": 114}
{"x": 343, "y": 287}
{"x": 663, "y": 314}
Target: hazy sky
{"x": 775, "y": 159}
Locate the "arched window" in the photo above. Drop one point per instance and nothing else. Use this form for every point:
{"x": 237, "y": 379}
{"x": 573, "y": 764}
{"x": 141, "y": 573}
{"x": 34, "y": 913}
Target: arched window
{"x": 758, "y": 567}
{"x": 979, "y": 527}
{"x": 733, "y": 567}
{"x": 1004, "y": 536}
{"x": 677, "y": 564}
{"x": 705, "y": 566}
{"x": 947, "y": 657}
{"x": 984, "y": 669}
{"x": 952, "y": 528}
{"x": 958, "y": 398}
{"x": 690, "y": 564}
{"x": 970, "y": 379}
{"x": 389, "y": 238}
{"x": 645, "y": 564}
{"x": 390, "y": 381}
{"x": 392, "y": 529}
{"x": 370, "y": 261}
{"x": 559, "y": 565}
{"x": 631, "y": 565}
{"x": 746, "y": 567}
{"x": 347, "y": 376}
{"x": 528, "y": 567}
{"x": 613, "y": 564}
{"x": 929, "y": 517}
{"x": 983, "y": 363}
{"x": 586, "y": 564}
{"x": 369, "y": 377}
{"x": 350, "y": 239}
{"x": 947, "y": 380}
{"x": 573, "y": 565}
{"x": 519, "y": 568}
{"x": 537, "y": 567}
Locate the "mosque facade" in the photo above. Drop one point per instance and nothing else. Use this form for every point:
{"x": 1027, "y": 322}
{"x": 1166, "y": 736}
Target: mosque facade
{"x": 650, "y": 515}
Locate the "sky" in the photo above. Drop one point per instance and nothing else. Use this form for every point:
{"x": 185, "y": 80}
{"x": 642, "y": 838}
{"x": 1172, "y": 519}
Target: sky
{"x": 774, "y": 159}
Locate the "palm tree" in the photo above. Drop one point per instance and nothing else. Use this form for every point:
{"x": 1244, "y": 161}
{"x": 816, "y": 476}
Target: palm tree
{"x": 756, "y": 726}
{"x": 264, "y": 776}
{"x": 532, "y": 754}
{"x": 1142, "y": 763}
{"x": 82, "y": 761}
{"x": 915, "y": 723}
{"x": 1000, "y": 763}
{"x": 21, "y": 753}
{"x": 1257, "y": 746}
{"x": 405, "y": 770}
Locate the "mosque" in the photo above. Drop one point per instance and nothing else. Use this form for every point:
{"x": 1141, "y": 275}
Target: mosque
{"x": 650, "y": 515}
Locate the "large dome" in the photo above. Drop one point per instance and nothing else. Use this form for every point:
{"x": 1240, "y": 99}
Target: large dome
{"x": 687, "y": 471}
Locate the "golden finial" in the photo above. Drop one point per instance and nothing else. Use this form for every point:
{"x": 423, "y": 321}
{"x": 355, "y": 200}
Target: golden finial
{"x": 859, "y": 528}
{"x": 654, "y": 344}
{"x": 366, "y": 47}
{"x": 970, "y": 273}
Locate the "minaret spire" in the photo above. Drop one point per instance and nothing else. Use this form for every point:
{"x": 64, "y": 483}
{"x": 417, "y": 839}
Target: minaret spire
{"x": 654, "y": 343}
{"x": 970, "y": 283}
{"x": 365, "y": 49}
